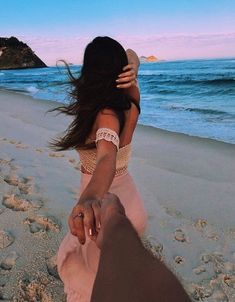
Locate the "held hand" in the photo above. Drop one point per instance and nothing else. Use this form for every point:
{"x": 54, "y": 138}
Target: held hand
{"x": 127, "y": 79}
{"x": 111, "y": 206}
{"x": 85, "y": 219}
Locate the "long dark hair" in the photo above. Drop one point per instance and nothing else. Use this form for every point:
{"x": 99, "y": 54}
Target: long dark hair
{"x": 94, "y": 90}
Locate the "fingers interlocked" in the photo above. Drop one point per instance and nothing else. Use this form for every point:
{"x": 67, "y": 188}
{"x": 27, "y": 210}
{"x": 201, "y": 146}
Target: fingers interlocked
{"x": 88, "y": 222}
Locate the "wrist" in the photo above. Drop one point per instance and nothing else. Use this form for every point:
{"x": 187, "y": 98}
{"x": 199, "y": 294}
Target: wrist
{"x": 86, "y": 197}
{"x": 112, "y": 218}
{"x": 112, "y": 226}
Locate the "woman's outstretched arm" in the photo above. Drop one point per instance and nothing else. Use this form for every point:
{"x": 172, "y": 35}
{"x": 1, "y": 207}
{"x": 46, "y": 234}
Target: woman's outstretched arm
{"x": 99, "y": 184}
{"x": 105, "y": 160}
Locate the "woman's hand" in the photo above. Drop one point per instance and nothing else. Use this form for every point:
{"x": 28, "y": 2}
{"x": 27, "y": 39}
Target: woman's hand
{"x": 127, "y": 79}
{"x": 88, "y": 223}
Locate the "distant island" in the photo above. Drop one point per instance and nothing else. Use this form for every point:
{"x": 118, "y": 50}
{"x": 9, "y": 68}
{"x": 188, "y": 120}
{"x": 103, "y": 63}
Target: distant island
{"x": 144, "y": 59}
{"x": 15, "y": 54}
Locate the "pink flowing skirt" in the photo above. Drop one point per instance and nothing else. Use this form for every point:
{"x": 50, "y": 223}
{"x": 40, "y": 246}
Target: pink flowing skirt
{"x": 77, "y": 264}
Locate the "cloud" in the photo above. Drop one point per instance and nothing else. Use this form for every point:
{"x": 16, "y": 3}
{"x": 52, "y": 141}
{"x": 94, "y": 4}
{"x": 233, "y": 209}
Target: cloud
{"x": 177, "y": 46}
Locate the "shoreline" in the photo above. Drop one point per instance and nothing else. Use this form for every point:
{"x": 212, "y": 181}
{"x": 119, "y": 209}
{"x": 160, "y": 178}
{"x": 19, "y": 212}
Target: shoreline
{"x": 57, "y": 103}
{"x": 187, "y": 184}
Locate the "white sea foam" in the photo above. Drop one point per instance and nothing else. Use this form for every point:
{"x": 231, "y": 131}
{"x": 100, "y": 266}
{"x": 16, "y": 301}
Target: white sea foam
{"x": 32, "y": 89}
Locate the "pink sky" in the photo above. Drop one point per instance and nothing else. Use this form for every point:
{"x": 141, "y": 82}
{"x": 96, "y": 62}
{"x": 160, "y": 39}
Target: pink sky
{"x": 168, "y": 29}
{"x": 165, "y": 47}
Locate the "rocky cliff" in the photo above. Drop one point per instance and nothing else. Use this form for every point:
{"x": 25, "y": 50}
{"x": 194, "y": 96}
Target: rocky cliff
{"x": 144, "y": 59}
{"x": 15, "y": 54}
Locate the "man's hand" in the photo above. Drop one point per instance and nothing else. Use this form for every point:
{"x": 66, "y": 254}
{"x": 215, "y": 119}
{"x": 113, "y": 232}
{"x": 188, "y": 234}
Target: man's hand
{"x": 111, "y": 208}
{"x": 96, "y": 215}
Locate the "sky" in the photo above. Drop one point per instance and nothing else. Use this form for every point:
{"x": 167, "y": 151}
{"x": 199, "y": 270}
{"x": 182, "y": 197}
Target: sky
{"x": 168, "y": 29}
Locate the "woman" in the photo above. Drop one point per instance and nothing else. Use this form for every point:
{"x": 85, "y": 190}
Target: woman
{"x": 105, "y": 109}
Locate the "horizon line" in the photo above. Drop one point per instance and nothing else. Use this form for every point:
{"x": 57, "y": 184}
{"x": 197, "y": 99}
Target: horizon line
{"x": 162, "y": 60}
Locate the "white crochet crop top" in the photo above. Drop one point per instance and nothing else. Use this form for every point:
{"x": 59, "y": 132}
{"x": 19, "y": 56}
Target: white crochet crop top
{"x": 88, "y": 157}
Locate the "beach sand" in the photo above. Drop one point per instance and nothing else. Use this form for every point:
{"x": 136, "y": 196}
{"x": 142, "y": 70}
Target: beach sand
{"x": 187, "y": 183}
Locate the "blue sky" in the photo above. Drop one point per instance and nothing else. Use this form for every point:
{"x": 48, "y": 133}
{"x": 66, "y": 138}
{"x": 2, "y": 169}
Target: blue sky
{"x": 168, "y": 29}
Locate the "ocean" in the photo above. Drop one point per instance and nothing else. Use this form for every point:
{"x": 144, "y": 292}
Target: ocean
{"x": 195, "y": 97}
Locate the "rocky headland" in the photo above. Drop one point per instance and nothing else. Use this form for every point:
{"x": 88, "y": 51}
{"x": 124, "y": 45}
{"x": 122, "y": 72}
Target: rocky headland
{"x": 15, "y": 54}
{"x": 144, "y": 59}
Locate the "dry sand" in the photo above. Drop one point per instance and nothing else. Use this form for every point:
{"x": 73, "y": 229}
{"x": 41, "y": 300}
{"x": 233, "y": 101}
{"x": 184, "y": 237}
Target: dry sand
{"x": 188, "y": 186}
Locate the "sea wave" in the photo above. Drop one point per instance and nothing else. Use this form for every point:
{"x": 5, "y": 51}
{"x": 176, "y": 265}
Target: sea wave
{"x": 207, "y": 111}
{"x": 222, "y": 81}
{"x": 32, "y": 89}
{"x": 186, "y": 80}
